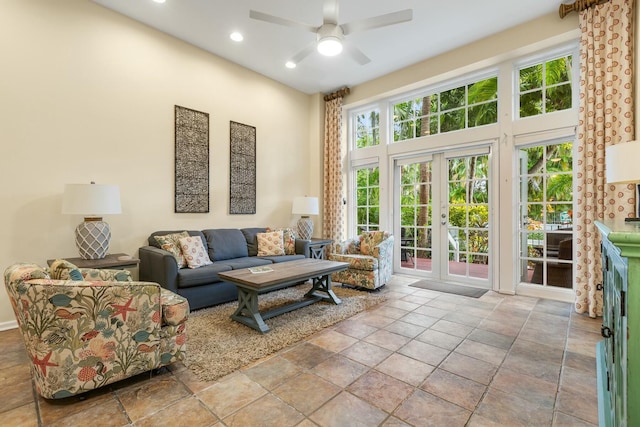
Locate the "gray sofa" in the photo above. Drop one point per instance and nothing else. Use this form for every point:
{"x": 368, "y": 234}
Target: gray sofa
{"x": 228, "y": 248}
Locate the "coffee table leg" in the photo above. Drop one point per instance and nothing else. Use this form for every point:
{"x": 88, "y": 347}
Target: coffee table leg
{"x": 323, "y": 286}
{"x": 247, "y": 311}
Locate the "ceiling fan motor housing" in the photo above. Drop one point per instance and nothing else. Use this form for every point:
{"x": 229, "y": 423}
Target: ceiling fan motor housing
{"x": 330, "y": 38}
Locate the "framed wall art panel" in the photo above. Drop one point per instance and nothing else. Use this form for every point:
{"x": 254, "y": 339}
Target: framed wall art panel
{"x": 192, "y": 161}
{"x": 242, "y": 169}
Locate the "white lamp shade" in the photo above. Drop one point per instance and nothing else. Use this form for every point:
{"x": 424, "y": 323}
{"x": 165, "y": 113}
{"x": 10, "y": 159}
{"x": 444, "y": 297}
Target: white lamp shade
{"x": 91, "y": 199}
{"x": 622, "y": 163}
{"x": 305, "y": 206}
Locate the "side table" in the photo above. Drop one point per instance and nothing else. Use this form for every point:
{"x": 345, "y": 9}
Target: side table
{"x": 316, "y": 247}
{"x": 109, "y": 261}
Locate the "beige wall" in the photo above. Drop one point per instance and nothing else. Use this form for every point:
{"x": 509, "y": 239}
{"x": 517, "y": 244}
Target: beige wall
{"x": 86, "y": 94}
{"x": 483, "y": 53}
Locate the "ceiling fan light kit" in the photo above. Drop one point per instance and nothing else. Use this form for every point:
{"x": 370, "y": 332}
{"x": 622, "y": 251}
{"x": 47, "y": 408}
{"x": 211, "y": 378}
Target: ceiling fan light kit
{"x": 331, "y": 36}
{"x": 330, "y": 46}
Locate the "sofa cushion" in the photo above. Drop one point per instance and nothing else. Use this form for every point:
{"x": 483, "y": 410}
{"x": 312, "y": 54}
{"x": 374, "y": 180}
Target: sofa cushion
{"x": 225, "y": 243}
{"x": 270, "y": 244}
{"x": 206, "y": 275}
{"x": 194, "y": 251}
{"x": 282, "y": 258}
{"x": 251, "y": 236}
{"x": 246, "y": 262}
{"x": 357, "y": 262}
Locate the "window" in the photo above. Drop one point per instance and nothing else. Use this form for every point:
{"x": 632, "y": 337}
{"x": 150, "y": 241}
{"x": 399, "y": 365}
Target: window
{"x": 367, "y": 199}
{"x": 459, "y": 108}
{"x": 545, "y": 87}
{"x": 546, "y": 206}
{"x": 367, "y": 129}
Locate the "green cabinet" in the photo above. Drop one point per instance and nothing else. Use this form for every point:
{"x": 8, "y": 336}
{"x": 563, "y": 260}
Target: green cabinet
{"x": 618, "y": 354}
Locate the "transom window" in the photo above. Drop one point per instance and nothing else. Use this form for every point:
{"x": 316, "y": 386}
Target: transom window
{"x": 545, "y": 87}
{"x": 466, "y": 106}
{"x": 367, "y": 128}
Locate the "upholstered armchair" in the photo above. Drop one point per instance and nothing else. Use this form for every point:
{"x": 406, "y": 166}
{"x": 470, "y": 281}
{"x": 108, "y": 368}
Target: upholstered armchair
{"x": 86, "y": 328}
{"x": 370, "y": 258}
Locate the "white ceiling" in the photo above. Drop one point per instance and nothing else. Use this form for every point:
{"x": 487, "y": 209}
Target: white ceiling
{"x": 437, "y": 27}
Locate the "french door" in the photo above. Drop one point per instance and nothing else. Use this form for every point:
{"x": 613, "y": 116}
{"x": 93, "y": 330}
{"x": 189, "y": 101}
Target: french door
{"x": 443, "y": 220}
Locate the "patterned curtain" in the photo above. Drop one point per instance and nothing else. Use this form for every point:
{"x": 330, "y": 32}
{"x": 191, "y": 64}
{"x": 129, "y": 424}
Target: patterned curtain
{"x": 332, "y": 227}
{"x": 606, "y": 118}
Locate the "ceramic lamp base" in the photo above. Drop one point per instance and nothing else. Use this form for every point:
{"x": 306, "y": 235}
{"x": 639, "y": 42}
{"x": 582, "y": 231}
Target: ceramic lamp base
{"x": 92, "y": 238}
{"x": 305, "y": 228}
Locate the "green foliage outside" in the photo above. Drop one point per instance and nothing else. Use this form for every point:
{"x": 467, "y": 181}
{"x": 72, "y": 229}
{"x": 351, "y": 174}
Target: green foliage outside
{"x": 544, "y": 88}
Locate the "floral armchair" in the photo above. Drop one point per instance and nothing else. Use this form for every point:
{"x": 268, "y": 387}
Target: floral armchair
{"x": 86, "y": 328}
{"x": 370, "y": 258}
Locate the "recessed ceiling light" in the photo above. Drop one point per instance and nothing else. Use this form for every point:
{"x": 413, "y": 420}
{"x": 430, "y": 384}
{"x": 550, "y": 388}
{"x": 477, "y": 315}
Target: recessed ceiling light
{"x": 159, "y": 1}
{"x": 290, "y": 64}
{"x": 236, "y": 36}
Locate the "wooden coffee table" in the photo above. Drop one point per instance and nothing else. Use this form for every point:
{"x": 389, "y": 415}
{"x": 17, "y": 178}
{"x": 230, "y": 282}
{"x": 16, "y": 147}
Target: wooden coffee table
{"x": 281, "y": 275}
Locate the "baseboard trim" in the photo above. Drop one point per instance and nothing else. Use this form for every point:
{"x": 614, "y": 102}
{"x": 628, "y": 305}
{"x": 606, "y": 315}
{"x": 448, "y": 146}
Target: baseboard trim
{"x": 5, "y": 326}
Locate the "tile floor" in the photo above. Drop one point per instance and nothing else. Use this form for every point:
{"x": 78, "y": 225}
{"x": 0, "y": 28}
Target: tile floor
{"x": 422, "y": 358}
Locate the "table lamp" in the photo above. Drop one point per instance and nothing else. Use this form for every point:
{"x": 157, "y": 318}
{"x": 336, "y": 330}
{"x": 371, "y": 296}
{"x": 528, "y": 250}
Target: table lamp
{"x": 622, "y": 167}
{"x": 92, "y": 201}
{"x": 305, "y": 206}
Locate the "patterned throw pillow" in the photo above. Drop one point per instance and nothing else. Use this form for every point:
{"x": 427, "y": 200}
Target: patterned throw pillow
{"x": 270, "y": 244}
{"x": 64, "y": 270}
{"x": 370, "y": 239}
{"x": 171, "y": 243}
{"x": 289, "y": 239}
{"x": 194, "y": 252}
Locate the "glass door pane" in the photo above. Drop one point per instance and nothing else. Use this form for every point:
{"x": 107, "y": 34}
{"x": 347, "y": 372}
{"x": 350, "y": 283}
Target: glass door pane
{"x": 416, "y": 196}
{"x": 467, "y": 217}
{"x": 546, "y": 215}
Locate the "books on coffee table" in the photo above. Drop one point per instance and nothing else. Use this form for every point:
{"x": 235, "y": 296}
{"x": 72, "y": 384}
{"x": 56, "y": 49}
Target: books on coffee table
{"x": 261, "y": 269}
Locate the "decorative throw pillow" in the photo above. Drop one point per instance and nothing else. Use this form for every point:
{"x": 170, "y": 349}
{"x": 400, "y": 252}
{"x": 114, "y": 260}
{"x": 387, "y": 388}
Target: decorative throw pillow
{"x": 289, "y": 239}
{"x": 370, "y": 239}
{"x": 270, "y": 244}
{"x": 64, "y": 270}
{"x": 171, "y": 243}
{"x": 194, "y": 252}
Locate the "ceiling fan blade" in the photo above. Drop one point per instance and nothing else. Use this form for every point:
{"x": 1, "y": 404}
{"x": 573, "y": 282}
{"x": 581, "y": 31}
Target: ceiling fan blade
{"x": 330, "y": 12}
{"x": 356, "y": 54}
{"x": 254, "y": 14}
{"x": 303, "y": 53}
{"x": 378, "y": 21}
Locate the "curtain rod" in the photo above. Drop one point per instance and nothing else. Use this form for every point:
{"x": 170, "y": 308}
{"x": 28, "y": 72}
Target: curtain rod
{"x": 578, "y": 6}
{"x": 337, "y": 94}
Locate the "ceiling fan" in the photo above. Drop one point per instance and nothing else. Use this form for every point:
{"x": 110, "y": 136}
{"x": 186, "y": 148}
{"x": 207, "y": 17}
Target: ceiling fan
{"x": 330, "y": 37}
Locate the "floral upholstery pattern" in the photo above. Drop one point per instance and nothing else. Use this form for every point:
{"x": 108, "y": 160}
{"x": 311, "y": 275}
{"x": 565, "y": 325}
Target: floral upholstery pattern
{"x": 370, "y": 258}
{"x": 81, "y": 335}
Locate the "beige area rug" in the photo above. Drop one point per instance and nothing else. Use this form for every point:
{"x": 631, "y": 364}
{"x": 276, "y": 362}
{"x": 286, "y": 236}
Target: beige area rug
{"x": 217, "y": 345}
